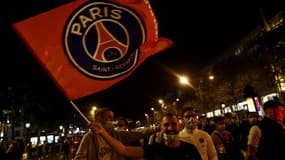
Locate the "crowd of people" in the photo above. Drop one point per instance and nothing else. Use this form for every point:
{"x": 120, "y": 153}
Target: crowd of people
{"x": 189, "y": 138}
{"x": 16, "y": 149}
{"x": 178, "y": 137}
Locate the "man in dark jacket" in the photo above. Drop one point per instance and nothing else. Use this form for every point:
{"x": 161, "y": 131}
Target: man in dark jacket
{"x": 266, "y": 139}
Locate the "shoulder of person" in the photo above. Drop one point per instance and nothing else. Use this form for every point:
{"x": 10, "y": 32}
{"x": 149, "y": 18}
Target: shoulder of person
{"x": 214, "y": 133}
{"x": 203, "y": 133}
{"x": 255, "y": 127}
{"x": 88, "y": 135}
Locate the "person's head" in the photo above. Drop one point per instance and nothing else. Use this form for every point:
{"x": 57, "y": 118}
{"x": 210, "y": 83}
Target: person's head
{"x": 122, "y": 124}
{"x": 252, "y": 117}
{"x": 229, "y": 118}
{"x": 105, "y": 116}
{"x": 65, "y": 140}
{"x": 190, "y": 119}
{"x": 170, "y": 126}
{"x": 169, "y": 123}
{"x": 220, "y": 123}
{"x": 203, "y": 120}
{"x": 274, "y": 110}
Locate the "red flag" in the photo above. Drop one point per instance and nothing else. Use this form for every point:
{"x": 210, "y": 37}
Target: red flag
{"x": 87, "y": 46}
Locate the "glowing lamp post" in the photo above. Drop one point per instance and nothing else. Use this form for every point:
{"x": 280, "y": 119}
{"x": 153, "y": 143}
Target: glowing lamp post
{"x": 93, "y": 112}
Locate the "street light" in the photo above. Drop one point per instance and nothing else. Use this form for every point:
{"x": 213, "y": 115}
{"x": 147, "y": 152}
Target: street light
{"x": 153, "y": 114}
{"x": 181, "y": 93}
{"x": 162, "y": 105}
{"x": 61, "y": 130}
{"x": 211, "y": 77}
{"x": 147, "y": 119}
{"x": 27, "y": 126}
{"x": 184, "y": 80}
{"x": 93, "y": 112}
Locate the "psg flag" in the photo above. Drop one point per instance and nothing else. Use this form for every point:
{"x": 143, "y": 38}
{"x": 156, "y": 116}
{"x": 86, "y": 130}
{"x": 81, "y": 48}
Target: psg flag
{"x": 88, "y": 46}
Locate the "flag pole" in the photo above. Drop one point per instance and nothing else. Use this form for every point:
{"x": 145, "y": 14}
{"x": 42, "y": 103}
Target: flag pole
{"x": 78, "y": 110}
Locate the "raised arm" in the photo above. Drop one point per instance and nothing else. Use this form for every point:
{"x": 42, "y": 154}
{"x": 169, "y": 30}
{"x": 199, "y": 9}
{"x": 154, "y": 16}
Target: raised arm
{"x": 129, "y": 151}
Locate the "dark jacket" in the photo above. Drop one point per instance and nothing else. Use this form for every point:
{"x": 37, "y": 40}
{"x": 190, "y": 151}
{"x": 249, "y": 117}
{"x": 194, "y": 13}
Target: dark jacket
{"x": 272, "y": 140}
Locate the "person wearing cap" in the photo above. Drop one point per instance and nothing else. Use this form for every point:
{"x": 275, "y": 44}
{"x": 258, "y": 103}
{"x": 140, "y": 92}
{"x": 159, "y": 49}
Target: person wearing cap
{"x": 266, "y": 138}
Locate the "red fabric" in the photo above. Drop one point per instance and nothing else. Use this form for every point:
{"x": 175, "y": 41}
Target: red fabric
{"x": 43, "y": 34}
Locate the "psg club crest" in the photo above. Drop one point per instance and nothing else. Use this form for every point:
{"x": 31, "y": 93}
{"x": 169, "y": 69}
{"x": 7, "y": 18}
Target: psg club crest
{"x": 88, "y": 46}
{"x": 102, "y": 39}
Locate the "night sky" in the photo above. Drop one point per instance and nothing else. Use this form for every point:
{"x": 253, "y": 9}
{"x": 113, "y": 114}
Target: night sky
{"x": 200, "y": 35}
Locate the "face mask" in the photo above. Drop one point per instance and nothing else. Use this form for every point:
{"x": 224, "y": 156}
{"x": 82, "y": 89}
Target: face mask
{"x": 170, "y": 138}
{"x": 108, "y": 125}
{"x": 191, "y": 123}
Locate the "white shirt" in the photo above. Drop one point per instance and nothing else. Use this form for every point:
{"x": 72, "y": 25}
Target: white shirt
{"x": 203, "y": 142}
{"x": 254, "y": 136}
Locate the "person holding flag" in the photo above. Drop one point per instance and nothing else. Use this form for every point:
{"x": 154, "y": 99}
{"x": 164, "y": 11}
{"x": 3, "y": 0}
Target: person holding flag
{"x": 170, "y": 149}
{"x": 93, "y": 147}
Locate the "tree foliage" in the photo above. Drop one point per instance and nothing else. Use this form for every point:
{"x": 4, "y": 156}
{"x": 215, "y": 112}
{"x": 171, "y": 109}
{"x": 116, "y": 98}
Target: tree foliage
{"x": 234, "y": 74}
